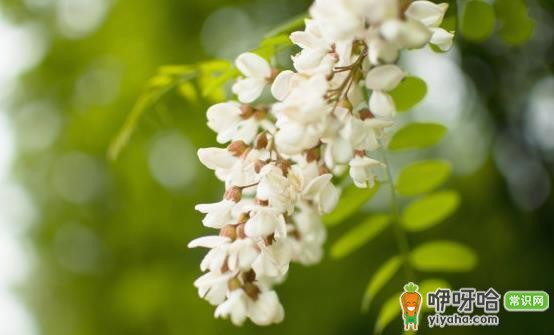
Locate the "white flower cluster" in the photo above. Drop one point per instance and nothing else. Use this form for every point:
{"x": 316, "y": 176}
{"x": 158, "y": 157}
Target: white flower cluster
{"x": 328, "y": 116}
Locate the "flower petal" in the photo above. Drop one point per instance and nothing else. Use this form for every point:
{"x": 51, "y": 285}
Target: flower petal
{"x": 208, "y": 241}
{"x": 382, "y": 105}
{"x": 384, "y": 78}
{"x": 249, "y": 89}
{"x": 282, "y": 85}
{"x": 253, "y": 66}
{"x": 428, "y": 13}
{"x": 441, "y": 38}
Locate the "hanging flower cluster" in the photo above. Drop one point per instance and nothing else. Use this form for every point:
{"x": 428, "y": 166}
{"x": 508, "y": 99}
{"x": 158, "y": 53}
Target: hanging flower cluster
{"x": 328, "y": 116}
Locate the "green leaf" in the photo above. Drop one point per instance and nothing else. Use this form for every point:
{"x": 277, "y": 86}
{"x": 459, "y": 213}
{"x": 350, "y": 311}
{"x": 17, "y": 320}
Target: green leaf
{"x": 352, "y": 198}
{"x": 382, "y": 276}
{"x": 422, "y": 177}
{"x": 156, "y": 88}
{"x": 388, "y": 313}
{"x": 417, "y": 135}
{"x": 430, "y": 285}
{"x": 516, "y": 27}
{"x": 408, "y": 93}
{"x": 430, "y": 210}
{"x": 359, "y": 235}
{"x": 296, "y": 23}
{"x": 445, "y": 256}
{"x": 478, "y": 20}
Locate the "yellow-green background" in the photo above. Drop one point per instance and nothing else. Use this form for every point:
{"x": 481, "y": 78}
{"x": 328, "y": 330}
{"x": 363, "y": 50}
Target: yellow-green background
{"x": 108, "y": 238}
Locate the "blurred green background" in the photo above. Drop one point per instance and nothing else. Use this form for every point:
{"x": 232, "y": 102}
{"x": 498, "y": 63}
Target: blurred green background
{"x": 93, "y": 246}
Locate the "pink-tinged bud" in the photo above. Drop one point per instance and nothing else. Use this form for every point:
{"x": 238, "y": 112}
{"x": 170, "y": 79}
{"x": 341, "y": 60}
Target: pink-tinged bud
{"x": 284, "y": 165}
{"x": 366, "y": 114}
{"x": 262, "y": 202}
{"x": 229, "y": 231}
{"x": 246, "y": 111}
{"x": 233, "y": 284}
{"x": 243, "y": 217}
{"x": 313, "y": 154}
{"x": 234, "y": 194}
{"x": 260, "y": 113}
{"x": 261, "y": 141}
{"x": 359, "y": 153}
{"x": 259, "y": 165}
{"x": 249, "y": 277}
{"x": 251, "y": 290}
{"x": 237, "y": 148}
{"x": 240, "y": 231}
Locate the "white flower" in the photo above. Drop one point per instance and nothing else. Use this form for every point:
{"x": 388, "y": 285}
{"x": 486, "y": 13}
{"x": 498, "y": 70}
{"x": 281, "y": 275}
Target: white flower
{"x": 275, "y": 188}
{"x": 306, "y": 104}
{"x": 314, "y": 47}
{"x": 217, "y": 214}
{"x": 364, "y": 134}
{"x": 442, "y": 38}
{"x": 208, "y": 241}
{"x": 217, "y": 159}
{"x": 293, "y": 137}
{"x": 226, "y": 119}
{"x": 431, "y": 15}
{"x": 322, "y": 192}
{"x": 311, "y": 234}
{"x": 212, "y": 286}
{"x": 338, "y": 150}
{"x": 380, "y": 51}
{"x": 235, "y": 307}
{"x": 382, "y": 105}
{"x": 257, "y": 74}
{"x": 337, "y": 21}
{"x": 284, "y": 83}
{"x": 384, "y": 78}
{"x": 273, "y": 260}
{"x": 241, "y": 254}
{"x": 265, "y": 221}
{"x": 409, "y": 34}
{"x": 428, "y": 13}
{"x": 361, "y": 171}
{"x": 266, "y": 309}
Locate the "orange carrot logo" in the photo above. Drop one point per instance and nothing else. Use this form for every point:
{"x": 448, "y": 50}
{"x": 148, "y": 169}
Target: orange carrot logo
{"x": 410, "y": 302}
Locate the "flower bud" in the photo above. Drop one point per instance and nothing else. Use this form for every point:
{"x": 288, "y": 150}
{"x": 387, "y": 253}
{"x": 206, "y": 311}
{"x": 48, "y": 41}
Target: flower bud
{"x": 260, "y": 112}
{"x": 229, "y": 231}
{"x": 359, "y": 153}
{"x": 261, "y": 141}
{"x": 323, "y": 169}
{"x": 251, "y": 290}
{"x": 259, "y": 165}
{"x": 233, "y": 284}
{"x": 246, "y": 111}
{"x": 262, "y": 202}
{"x": 237, "y": 148}
{"x": 240, "y": 231}
{"x": 249, "y": 276}
{"x": 243, "y": 218}
{"x": 366, "y": 114}
{"x": 284, "y": 165}
{"x": 234, "y": 194}
{"x": 313, "y": 154}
